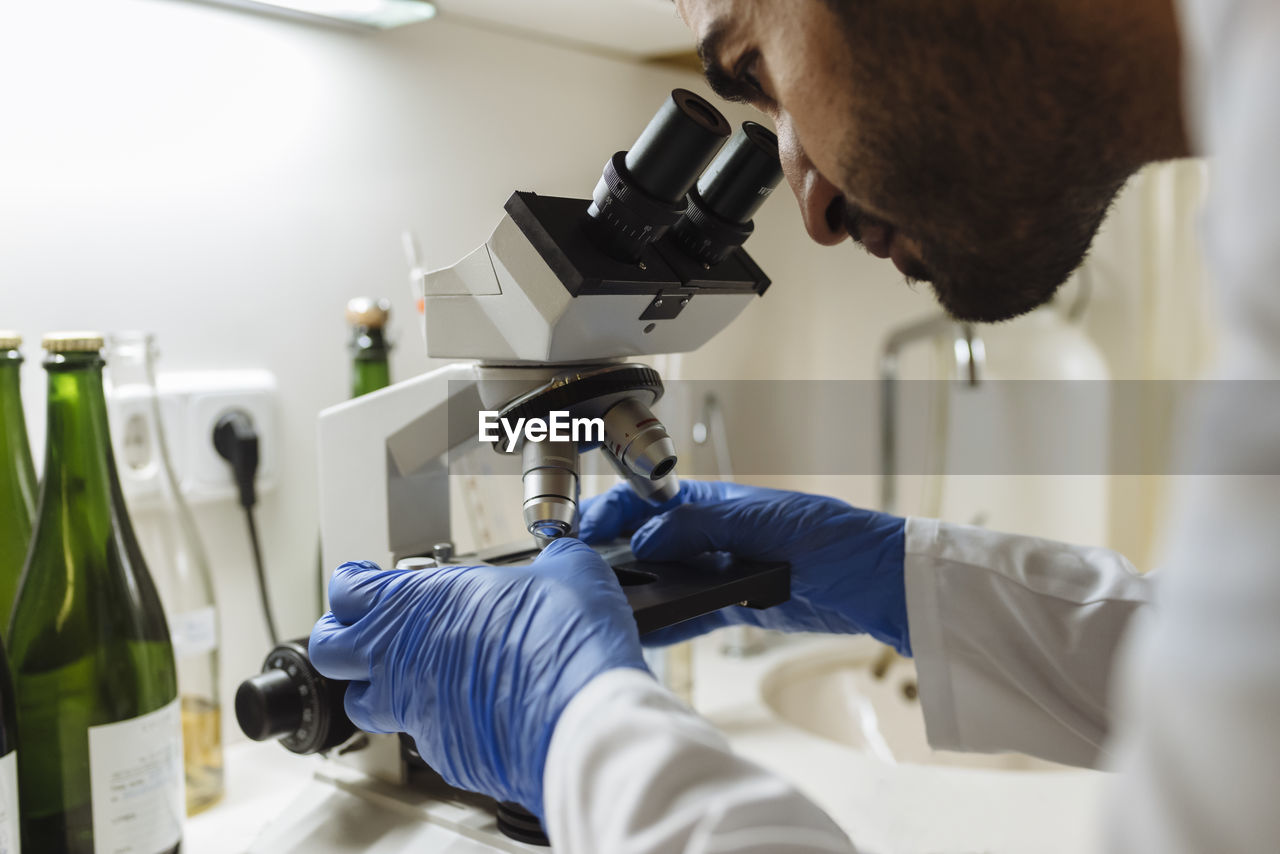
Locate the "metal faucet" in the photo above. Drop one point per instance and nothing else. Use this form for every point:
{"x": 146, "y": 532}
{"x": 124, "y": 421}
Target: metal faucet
{"x": 970, "y": 354}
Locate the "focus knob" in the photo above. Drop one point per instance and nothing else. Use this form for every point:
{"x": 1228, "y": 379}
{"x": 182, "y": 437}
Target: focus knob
{"x": 291, "y": 701}
{"x": 268, "y": 705}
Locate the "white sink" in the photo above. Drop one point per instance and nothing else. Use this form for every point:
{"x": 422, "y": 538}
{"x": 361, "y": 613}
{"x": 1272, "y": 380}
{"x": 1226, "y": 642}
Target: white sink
{"x": 867, "y": 699}
{"x": 817, "y": 712}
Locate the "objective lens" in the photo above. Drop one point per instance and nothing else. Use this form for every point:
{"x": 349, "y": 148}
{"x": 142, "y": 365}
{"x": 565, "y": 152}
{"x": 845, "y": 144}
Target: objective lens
{"x": 729, "y": 193}
{"x": 638, "y": 440}
{"x": 550, "y": 530}
{"x": 641, "y": 192}
{"x": 655, "y": 491}
{"x": 550, "y": 489}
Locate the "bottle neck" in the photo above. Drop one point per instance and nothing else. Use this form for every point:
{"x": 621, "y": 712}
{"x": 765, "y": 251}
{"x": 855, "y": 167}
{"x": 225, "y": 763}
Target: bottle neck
{"x": 15, "y": 452}
{"x": 79, "y": 469}
{"x": 369, "y": 368}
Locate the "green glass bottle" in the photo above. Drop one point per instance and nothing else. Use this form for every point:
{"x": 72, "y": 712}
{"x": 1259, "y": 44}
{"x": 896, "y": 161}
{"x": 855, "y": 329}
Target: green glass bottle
{"x": 8, "y": 760}
{"x": 100, "y": 764}
{"x": 369, "y": 348}
{"x": 17, "y": 475}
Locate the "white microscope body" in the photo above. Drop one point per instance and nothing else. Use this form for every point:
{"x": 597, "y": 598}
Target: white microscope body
{"x": 384, "y": 485}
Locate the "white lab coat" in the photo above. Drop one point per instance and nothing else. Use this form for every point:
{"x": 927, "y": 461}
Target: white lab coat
{"x": 1015, "y": 638}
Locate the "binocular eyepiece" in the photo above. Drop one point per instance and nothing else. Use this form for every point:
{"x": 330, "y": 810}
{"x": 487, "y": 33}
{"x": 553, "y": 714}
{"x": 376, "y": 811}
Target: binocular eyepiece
{"x": 649, "y": 190}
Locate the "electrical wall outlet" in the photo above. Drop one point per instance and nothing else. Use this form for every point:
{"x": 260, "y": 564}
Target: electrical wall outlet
{"x": 190, "y": 405}
{"x": 137, "y": 449}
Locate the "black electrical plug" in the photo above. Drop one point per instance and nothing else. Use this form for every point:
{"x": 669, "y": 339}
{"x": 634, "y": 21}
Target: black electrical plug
{"x": 236, "y": 441}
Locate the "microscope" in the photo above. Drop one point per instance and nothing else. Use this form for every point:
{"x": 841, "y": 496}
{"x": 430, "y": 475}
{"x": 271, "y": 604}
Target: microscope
{"x": 544, "y": 319}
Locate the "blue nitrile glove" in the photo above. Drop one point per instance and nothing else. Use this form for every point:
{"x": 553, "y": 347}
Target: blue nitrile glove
{"x": 476, "y": 663}
{"x": 846, "y": 563}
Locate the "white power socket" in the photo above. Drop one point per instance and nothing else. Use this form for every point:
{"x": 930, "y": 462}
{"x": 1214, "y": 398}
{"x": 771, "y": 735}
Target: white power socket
{"x": 190, "y": 405}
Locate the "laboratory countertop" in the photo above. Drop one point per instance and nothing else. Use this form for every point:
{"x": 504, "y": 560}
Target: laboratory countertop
{"x": 263, "y": 780}
{"x": 275, "y": 802}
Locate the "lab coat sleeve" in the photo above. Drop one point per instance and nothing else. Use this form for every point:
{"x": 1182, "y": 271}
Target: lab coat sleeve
{"x": 1199, "y": 722}
{"x": 632, "y": 770}
{"x": 1014, "y": 639}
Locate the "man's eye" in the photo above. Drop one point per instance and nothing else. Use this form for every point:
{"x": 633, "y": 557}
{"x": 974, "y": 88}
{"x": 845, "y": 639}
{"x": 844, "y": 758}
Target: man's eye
{"x": 749, "y": 75}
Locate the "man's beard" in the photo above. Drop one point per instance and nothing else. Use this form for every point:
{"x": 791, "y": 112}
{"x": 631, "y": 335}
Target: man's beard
{"x": 1001, "y": 187}
{"x": 999, "y": 280}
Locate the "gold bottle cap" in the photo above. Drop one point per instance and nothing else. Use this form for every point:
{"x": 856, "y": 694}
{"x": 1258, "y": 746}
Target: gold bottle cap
{"x": 10, "y": 340}
{"x": 365, "y": 311}
{"x": 73, "y": 342}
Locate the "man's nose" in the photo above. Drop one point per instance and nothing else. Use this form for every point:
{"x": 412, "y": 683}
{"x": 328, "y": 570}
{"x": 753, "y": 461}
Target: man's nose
{"x": 821, "y": 204}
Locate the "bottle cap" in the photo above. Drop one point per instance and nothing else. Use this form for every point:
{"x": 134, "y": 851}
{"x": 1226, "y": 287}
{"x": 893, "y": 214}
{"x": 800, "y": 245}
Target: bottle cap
{"x": 73, "y": 342}
{"x": 365, "y": 311}
{"x": 10, "y": 340}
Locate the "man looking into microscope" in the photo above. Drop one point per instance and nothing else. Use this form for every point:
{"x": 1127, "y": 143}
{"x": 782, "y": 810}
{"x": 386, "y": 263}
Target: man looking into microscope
{"x": 978, "y": 144}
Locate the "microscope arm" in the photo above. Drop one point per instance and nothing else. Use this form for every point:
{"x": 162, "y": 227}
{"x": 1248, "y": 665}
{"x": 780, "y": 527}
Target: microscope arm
{"x": 384, "y": 479}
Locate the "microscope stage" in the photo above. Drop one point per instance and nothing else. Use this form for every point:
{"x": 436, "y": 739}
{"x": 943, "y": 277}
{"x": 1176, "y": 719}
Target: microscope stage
{"x": 664, "y": 594}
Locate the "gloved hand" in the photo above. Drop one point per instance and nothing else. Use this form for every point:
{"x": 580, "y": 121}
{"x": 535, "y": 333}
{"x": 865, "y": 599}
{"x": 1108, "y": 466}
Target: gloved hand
{"x": 476, "y": 663}
{"x": 846, "y": 563}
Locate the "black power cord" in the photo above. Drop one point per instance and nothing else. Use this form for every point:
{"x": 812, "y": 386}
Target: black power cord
{"x": 236, "y": 441}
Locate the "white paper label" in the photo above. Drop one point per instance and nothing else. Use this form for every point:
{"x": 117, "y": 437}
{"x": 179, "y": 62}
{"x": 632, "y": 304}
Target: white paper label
{"x": 135, "y": 768}
{"x": 9, "y": 803}
{"x": 194, "y": 632}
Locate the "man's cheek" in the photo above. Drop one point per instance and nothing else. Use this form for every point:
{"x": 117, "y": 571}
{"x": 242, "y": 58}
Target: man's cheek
{"x": 824, "y": 136}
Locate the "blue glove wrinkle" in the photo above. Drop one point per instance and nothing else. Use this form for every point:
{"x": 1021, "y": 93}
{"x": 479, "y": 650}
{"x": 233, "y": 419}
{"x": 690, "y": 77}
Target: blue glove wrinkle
{"x": 621, "y": 511}
{"x": 476, "y": 664}
{"x": 847, "y": 564}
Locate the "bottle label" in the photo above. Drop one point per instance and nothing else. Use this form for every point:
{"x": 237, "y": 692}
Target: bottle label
{"x": 9, "y": 803}
{"x": 136, "y": 777}
{"x": 194, "y": 632}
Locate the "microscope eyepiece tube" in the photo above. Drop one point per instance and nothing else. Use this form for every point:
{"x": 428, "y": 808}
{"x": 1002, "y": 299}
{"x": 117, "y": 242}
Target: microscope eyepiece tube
{"x": 550, "y": 489}
{"x": 719, "y": 211}
{"x": 639, "y": 440}
{"x": 677, "y": 145}
{"x": 737, "y": 183}
{"x": 641, "y": 192}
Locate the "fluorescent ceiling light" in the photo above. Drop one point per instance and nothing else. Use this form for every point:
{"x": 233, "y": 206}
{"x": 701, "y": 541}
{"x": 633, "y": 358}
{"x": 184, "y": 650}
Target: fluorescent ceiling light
{"x": 375, "y": 14}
